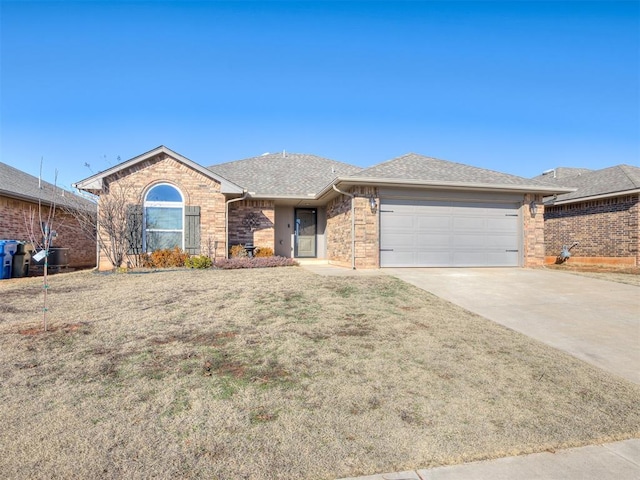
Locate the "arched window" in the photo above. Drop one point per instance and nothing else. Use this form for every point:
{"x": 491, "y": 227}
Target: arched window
{"x": 163, "y": 218}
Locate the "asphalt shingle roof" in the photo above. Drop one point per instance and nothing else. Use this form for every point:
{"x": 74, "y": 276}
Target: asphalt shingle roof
{"x": 16, "y": 183}
{"x": 284, "y": 174}
{"x": 414, "y": 167}
{"x": 619, "y": 178}
{"x": 561, "y": 172}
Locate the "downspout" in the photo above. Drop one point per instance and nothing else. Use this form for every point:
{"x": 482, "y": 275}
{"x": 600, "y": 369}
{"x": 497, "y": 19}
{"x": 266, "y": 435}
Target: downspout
{"x": 97, "y": 235}
{"x": 245, "y": 194}
{"x": 353, "y": 226}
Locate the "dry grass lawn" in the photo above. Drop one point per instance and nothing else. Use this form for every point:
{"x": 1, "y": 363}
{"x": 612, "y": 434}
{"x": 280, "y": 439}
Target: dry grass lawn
{"x": 277, "y": 373}
{"x": 628, "y": 275}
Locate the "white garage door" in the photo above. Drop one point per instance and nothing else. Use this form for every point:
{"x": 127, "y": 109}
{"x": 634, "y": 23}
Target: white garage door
{"x": 448, "y": 234}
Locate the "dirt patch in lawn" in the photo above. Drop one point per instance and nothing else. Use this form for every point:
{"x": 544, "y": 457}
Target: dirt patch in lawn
{"x": 278, "y": 373}
{"x": 628, "y": 275}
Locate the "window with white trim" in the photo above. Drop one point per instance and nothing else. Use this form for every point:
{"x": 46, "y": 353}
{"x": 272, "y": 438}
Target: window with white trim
{"x": 163, "y": 218}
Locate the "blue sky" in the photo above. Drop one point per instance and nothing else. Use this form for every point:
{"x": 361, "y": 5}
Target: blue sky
{"x": 517, "y": 87}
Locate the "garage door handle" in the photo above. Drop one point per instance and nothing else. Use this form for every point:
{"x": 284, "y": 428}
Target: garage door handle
{"x": 387, "y": 211}
{"x": 510, "y": 214}
{"x": 512, "y": 251}
{"x": 386, "y": 249}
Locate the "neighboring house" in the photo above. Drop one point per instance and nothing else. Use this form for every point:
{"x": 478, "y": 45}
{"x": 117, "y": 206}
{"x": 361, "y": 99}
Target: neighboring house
{"x": 21, "y": 194}
{"x": 602, "y": 214}
{"x": 409, "y": 211}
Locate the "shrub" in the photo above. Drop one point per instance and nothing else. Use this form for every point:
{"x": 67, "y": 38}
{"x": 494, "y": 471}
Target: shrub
{"x": 169, "y": 257}
{"x": 238, "y": 251}
{"x": 255, "y": 262}
{"x": 198, "y": 261}
{"x": 263, "y": 252}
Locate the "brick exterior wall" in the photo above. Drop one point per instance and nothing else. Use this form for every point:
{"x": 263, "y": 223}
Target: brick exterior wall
{"x": 339, "y": 240}
{"x": 252, "y": 221}
{"x": 197, "y": 190}
{"x": 13, "y": 226}
{"x": 533, "y": 232}
{"x": 607, "y": 229}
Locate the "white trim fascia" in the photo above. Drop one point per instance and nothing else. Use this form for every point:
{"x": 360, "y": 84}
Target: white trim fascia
{"x": 94, "y": 182}
{"x": 265, "y": 196}
{"x": 444, "y": 185}
{"x": 553, "y": 203}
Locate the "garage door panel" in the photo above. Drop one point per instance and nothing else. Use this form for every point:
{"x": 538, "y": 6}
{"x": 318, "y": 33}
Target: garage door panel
{"x": 434, "y": 258}
{"x": 461, "y": 224}
{"x": 503, "y": 224}
{"x": 401, "y": 241}
{"x": 502, "y": 259}
{"x": 467, "y": 241}
{"x": 467, "y": 211}
{"x": 448, "y": 233}
{"x": 398, "y": 221}
{"x": 468, "y": 259}
{"x": 501, "y": 242}
{"x": 435, "y": 222}
{"x": 432, "y": 241}
{"x": 415, "y": 242}
{"x": 396, "y": 258}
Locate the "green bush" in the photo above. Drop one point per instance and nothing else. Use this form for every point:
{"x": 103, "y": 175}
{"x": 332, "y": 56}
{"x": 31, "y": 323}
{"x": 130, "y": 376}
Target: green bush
{"x": 198, "y": 261}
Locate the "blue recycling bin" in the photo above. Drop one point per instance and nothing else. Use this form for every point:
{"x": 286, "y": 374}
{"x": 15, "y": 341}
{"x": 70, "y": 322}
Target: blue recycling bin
{"x": 8, "y": 249}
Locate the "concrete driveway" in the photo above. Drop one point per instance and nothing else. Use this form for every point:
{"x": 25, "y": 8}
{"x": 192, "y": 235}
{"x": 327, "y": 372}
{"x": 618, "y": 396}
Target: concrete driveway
{"x": 595, "y": 320}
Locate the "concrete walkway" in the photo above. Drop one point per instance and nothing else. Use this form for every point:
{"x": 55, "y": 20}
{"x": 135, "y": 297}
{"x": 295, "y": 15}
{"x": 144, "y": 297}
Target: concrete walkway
{"x": 594, "y": 320}
{"x": 613, "y": 461}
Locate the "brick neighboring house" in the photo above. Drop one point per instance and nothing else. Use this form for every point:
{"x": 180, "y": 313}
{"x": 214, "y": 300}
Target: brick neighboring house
{"x": 20, "y": 194}
{"x": 409, "y": 211}
{"x": 602, "y": 214}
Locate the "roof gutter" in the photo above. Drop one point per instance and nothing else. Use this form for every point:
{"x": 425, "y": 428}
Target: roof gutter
{"x": 25, "y": 198}
{"x": 460, "y": 185}
{"x": 353, "y": 226}
{"x": 543, "y": 189}
{"x": 245, "y": 194}
{"x": 592, "y": 197}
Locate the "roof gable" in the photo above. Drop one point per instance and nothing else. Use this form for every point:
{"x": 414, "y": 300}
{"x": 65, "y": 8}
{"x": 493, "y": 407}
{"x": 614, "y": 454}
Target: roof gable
{"x": 419, "y": 169}
{"x": 18, "y": 184}
{"x": 284, "y": 174}
{"x": 94, "y": 183}
{"x": 597, "y": 183}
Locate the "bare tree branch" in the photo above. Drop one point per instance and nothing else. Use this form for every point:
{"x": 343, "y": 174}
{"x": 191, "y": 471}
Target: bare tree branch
{"x": 44, "y": 240}
{"x": 111, "y": 225}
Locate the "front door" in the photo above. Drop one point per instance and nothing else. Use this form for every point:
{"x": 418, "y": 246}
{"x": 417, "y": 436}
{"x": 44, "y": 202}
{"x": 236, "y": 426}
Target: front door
{"x": 305, "y": 233}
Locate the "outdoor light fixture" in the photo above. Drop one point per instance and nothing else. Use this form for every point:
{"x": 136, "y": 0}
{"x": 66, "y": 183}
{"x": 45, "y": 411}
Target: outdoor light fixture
{"x": 533, "y": 208}
{"x": 373, "y": 204}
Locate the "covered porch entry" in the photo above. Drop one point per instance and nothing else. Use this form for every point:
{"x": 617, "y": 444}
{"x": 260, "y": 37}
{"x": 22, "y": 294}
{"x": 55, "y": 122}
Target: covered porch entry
{"x": 300, "y": 231}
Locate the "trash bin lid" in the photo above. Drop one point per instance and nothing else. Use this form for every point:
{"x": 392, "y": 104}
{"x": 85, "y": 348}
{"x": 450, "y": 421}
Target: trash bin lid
{"x": 8, "y": 246}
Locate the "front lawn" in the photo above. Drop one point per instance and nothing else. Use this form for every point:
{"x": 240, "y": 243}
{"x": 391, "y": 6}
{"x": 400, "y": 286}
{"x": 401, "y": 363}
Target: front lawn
{"x": 277, "y": 373}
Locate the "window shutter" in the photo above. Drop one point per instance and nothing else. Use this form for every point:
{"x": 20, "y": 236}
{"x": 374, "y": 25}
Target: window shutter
{"x": 134, "y": 229}
{"x": 192, "y": 230}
